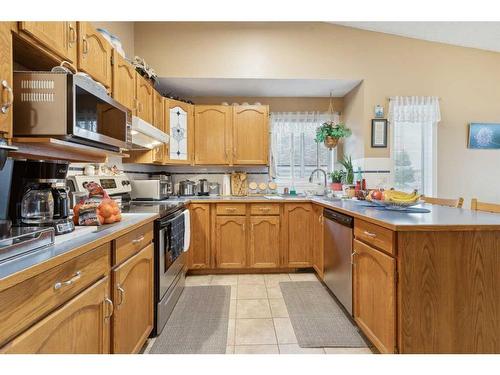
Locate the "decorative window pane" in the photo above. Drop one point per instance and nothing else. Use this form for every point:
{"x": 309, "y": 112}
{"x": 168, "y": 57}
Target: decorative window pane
{"x": 178, "y": 134}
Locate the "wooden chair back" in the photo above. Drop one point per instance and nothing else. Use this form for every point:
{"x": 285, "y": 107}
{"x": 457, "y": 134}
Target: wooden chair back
{"x": 483, "y": 206}
{"x": 457, "y": 203}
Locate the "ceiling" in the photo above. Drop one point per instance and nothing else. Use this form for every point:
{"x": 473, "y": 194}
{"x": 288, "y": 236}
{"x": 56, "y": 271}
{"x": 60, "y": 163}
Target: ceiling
{"x": 192, "y": 87}
{"x": 482, "y": 35}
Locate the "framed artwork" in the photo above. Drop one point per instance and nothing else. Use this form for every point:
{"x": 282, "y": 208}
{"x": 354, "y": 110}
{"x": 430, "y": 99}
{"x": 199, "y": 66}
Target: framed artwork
{"x": 379, "y": 133}
{"x": 484, "y": 136}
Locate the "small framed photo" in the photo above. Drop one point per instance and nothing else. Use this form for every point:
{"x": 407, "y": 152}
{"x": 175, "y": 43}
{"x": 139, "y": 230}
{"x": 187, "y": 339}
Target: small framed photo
{"x": 379, "y": 111}
{"x": 379, "y": 133}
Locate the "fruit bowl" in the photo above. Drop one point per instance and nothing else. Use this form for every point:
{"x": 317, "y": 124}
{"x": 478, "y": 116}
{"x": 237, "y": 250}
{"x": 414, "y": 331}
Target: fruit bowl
{"x": 395, "y": 205}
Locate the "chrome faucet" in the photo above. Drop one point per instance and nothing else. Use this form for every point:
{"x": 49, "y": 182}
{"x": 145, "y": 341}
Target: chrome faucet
{"x": 324, "y": 174}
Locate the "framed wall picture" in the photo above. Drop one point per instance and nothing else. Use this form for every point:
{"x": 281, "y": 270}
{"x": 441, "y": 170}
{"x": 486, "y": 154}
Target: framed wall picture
{"x": 484, "y": 136}
{"x": 379, "y": 132}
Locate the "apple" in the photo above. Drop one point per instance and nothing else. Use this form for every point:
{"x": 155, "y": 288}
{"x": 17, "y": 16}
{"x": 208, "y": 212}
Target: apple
{"x": 377, "y": 194}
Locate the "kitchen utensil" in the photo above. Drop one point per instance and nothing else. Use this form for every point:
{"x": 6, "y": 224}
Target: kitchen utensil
{"x": 186, "y": 188}
{"x": 239, "y": 184}
{"x": 203, "y": 188}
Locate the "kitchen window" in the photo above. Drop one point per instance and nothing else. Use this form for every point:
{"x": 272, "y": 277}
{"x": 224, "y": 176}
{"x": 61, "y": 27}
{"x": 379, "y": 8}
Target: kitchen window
{"x": 294, "y": 153}
{"x": 414, "y": 121}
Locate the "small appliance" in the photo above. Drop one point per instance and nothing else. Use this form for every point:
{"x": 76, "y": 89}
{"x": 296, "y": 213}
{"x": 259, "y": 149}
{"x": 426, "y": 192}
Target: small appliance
{"x": 118, "y": 187}
{"x": 167, "y": 177}
{"x": 16, "y": 241}
{"x": 203, "y": 187}
{"x": 153, "y": 190}
{"x": 39, "y": 196}
{"x": 186, "y": 188}
{"x": 213, "y": 188}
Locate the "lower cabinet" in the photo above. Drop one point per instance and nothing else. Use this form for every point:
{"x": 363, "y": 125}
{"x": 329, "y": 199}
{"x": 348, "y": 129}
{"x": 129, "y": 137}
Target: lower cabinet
{"x": 374, "y": 294}
{"x": 230, "y": 242}
{"x": 133, "y": 298}
{"x": 264, "y": 246}
{"x": 298, "y": 234}
{"x": 81, "y": 326}
{"x": 199, "y": 248}
{"x": 318, "y": 247}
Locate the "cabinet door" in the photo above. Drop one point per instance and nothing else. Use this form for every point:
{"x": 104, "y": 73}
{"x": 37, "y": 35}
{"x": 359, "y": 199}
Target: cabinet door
{"x": 298, "y": 235}
{"x": 58, "y": 37}
{"x": 6, "y": 96}
{"x": 263, "y": 250}
{"x": 212, "y": 133}
{"x": 374, "y": 292}
{"x": 123, "y": 81}
{"x": 230, "y": 241}
{"x": 318, "y": 249}
{"x": 144, "y": 96}
{"x": 81, "y": 326}
{"x": 250, "y": 134}
{"x": 179, "y": 125}
{"x": 133, "y": 299}
{"x": 158, "y": 111}
{"x": 94, "y": 54}
{"x": 199, "y": 249}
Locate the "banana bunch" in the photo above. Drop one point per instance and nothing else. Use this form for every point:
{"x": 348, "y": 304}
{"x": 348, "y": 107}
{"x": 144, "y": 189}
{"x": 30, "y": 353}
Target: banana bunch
{"x": 400, "y": 197}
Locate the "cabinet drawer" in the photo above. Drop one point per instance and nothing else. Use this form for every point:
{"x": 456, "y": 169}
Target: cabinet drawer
{"x": 230, "y": 209}
{"x": 29, "y": 301}
{"x": 375, "y": 235}
{"x": 132, "y": 242}
{"x": 264, "y": 209}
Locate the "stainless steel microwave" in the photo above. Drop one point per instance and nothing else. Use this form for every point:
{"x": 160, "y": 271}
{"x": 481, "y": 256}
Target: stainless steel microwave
{"x": 70, "y": 107}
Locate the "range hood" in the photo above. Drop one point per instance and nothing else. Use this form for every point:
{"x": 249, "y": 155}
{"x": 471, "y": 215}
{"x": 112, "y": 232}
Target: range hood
{"x": 146, "y": 136}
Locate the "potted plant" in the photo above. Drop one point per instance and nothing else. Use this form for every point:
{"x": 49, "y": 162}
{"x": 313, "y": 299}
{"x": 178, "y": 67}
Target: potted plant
{"x": 349, "y": 175}
{"x": 329, "y": 133}
{"x": 337, "y": 177}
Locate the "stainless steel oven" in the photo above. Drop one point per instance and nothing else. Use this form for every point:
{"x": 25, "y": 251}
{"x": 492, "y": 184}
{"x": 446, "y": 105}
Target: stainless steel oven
{"x": 69, "y": 107}
{"x": 170, "y": 264}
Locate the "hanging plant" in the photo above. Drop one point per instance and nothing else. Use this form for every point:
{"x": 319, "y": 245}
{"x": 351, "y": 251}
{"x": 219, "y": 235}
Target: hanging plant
{"x": 330, "y": 133}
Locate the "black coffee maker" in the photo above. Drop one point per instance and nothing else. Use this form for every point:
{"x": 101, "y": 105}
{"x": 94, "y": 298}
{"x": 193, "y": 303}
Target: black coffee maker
{"x": 39, "y": 196}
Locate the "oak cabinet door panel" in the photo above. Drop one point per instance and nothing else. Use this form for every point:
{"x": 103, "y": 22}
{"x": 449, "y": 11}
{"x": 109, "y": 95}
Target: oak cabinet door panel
{"x": 199, "y": 249}
{"x": 263, "y": 251}
{"x": 94, "y": 54}
{"x": 250, "y": 135}
{"x": 230, "y": 241}
{"x": 212, "y": 134}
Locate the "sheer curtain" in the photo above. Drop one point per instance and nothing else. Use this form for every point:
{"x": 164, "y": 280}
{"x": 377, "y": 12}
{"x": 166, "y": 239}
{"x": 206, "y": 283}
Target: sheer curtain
{"x": 414, "y": 120}
{"x": 294, "y": 153}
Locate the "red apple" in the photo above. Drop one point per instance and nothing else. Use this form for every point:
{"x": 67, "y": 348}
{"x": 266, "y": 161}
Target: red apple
{"x": 377, "y": 194}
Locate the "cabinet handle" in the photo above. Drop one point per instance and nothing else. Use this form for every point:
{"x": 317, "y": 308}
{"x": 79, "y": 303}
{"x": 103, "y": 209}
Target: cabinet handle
{"x": 370, "y": 234}
{"x": 231, "y": 209}
{"x": 5, "y": 106}
{"x": 320, "y": 219}
{"x": 73, "y": 279}
{"x": 353, "y": 260}
{"x": 72, "y": 35}
{"x": 85, "y": 46}
{"x": 111, "y": 308}
{"x": 264, "y": 208}
{"x": 121, "y": 291}
{"x": 138, "y": 239}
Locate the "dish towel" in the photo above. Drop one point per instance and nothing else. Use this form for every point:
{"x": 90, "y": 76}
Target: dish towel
{"x": 187, "y": 230}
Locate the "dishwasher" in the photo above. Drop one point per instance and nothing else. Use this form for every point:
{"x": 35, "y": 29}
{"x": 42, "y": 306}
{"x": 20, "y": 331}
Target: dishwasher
{"x": 338, "y": 256}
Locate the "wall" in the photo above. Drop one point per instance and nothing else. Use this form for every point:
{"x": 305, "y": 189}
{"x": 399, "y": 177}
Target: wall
{"x": 124, "y": 31}
{"x": 467, "y": 80}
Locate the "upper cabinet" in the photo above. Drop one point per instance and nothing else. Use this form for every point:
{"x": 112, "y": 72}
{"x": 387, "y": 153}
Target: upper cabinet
{"x": 6, "y": 96}
{"x": 144, "y": 99}
{"x": 123, "y": 81}
{"x": 212, "y": 134}
{"x": 250, "y": 134}
{"x": 179, "y": 125}
{"x": 158, "y": 110}
{"x": 60, "y": 38}
{"x": 94, "y": 54}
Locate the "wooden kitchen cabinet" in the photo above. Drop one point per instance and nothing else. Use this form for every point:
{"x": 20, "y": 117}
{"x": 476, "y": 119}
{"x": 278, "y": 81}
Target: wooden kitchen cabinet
{"x": 212, "y": 134}
{"x": 230, "y": 242}
{"x": 158, "y": 111}
{"x": 123, "y": 81}
{"x": 250, "y": 134}
{"x": 297, "y": 235}
{"x": 264, "y": 246}
{"x": 179, "y": 125}
{"x": 374, "y": 295}
{"x": 81, "y": 326}
{"x": 199, "y": 249}
{"x": 94, "y": 54}
{"x": 6, "y": 84}
{"x": 318, "y": 247}
{"x": 133, "y": 298}
{"x": 144, "y": 98}
{"x": 59, "y": 38}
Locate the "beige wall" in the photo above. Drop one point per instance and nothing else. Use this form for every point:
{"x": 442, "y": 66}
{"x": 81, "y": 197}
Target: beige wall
{"x": 467, "y": 80}
{"x": 124, "y": 31}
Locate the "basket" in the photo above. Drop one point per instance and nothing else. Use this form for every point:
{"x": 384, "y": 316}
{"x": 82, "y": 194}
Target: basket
{"x": 331, "y": 142}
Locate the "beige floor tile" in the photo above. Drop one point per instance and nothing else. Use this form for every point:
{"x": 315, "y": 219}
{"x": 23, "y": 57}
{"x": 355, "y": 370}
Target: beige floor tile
{"x": 253, "y": 308}
{"x": 296, "y": 349}
{"x": 284, "y": 331}
{"x": 303, "y": 277}
{"x": 232, "y": 309}
{"x": 278, "y": 308}
{"x": 251, "y": 280}
{"x": 230, "y": 349}
{"x": 348, "y": 351}
{"x": 231, "y": 329}
{"x": 256, "y": 349}
{"x": 254, "y": 331}
{"x": 274, "y": 292}
{"x": 224, "y": 280}
{"x": 234, "y": 291}
{"x": 275, "y": 278}
{"x": 251, "y": 291}
{"x": 198, "y": 280}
